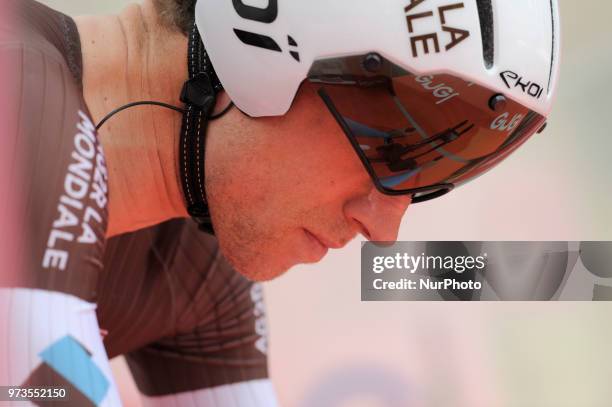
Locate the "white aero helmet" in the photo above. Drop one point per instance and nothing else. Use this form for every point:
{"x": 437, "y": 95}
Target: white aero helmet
{"x": 430, "y": 93}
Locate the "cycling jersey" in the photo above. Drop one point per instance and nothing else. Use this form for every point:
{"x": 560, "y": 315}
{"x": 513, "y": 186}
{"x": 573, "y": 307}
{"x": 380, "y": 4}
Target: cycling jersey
{"x": 176, "y": 308}
{"x": 191, "y": 328}
{"x": 59, "y": 163}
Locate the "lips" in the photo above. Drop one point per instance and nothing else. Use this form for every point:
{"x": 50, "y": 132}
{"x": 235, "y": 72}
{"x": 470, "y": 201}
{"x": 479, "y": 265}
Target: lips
{"x": 325, "y": 242}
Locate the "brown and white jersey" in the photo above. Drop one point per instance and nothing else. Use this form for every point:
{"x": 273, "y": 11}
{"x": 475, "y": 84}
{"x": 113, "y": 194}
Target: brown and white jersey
{"x": 59, "y": 171}
{"x": 190, "y": 327}
{"x": 182, "y": 316}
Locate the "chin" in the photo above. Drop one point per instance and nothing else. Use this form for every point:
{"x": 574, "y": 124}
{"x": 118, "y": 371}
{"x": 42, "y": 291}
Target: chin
{"x": 254, "y": 265}
{"x": 262, "y": 271}
{"x": 259, "y": 254}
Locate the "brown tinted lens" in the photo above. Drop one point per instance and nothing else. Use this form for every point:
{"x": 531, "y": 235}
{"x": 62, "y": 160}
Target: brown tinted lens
{"x": 425, "y": 130}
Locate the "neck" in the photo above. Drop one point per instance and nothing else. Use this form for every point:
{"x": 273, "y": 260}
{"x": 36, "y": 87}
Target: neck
{"x": 127, "y": 58}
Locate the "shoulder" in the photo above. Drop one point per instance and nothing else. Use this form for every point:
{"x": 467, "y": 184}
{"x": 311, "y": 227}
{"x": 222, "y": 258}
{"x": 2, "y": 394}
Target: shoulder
{"x": 60, "y": 174}
{"x": 199, "y": 323}
{"x": 38, "y": 39}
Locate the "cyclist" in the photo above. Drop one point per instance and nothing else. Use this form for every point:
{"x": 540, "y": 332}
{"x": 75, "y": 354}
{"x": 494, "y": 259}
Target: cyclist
{"x": 340, "y": 123}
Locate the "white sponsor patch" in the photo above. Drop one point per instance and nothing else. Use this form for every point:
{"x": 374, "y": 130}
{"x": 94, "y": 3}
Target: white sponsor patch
{"x": 259, "y": 310}
{"x": 85, "y": 181}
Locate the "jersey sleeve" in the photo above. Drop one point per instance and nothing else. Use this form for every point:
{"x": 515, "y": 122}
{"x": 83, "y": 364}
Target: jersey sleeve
{"x": 183, "y": 317}
{"x": 52, "y": 339}
{"x": 58, "y": 176}
{"x": 56, "y": 184}
{"x": 229, "y": 346}
{"x": 254, "y": 393}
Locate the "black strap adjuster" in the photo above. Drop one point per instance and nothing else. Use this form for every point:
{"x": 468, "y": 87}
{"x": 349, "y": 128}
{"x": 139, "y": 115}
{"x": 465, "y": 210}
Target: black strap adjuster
{"x": 199, "y": 91}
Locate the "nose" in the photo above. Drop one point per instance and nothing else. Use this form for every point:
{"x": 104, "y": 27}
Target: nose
{"x": 377, "y": 216}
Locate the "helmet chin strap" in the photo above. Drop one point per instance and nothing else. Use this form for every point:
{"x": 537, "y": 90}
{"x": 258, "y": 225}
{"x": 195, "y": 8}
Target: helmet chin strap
{"x": 199, "y": 95}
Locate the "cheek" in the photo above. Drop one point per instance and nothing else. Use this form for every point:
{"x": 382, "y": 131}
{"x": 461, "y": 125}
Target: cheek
{"x": 286, "y": 185}
{"x": 309, "y": 157}
{"x": 324, "y": 161}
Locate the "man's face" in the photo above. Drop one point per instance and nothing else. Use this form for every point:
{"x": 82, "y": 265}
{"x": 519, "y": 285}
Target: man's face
{"x": 284, "y": 190}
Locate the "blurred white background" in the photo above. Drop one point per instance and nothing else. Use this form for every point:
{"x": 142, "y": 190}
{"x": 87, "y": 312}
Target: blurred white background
{"x": 331, "y": 350}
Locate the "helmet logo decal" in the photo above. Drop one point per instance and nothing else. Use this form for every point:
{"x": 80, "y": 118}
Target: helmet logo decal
{"x": 501, "y": 122}
{"x": 257, "y": 40}
{"x": 292, "y": 43}
{"x": 454, "y": 35}
{"x": 266, "y": 15}
{"x": 263, "y": 15}
{"x": 514, "y": 80}
{"x": 441, "y": 91}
